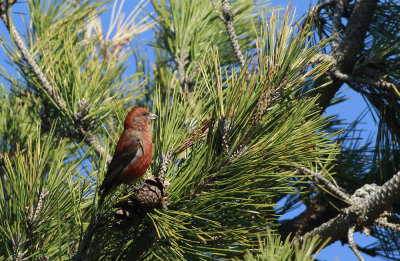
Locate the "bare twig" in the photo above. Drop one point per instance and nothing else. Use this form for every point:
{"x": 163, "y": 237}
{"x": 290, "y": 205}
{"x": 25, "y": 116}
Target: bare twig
{"x": 337, "y": 22}
{"x": 383, "y": 222}
{"x": 214, "y": 4}
{"x": 353, "y": 246}
{"x": 227, "y": 18}
{"x": 358, "y": 79}
{"x": 319, "y": 7}
{"x": 5, "y": 5}
{"x": 327, "y": 184}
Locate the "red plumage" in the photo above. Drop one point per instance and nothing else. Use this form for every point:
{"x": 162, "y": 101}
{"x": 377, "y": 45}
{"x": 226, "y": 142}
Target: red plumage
{"x": 133, "y": 153}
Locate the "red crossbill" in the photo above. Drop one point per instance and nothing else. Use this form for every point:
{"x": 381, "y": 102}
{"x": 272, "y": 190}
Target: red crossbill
{"x": 133, "y": 153}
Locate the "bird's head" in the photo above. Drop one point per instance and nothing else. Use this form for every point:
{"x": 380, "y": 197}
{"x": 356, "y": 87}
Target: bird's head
{"x": 139, "y": 119}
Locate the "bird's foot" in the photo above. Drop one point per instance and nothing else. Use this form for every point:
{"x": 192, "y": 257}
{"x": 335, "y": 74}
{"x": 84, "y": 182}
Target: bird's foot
{"x": 134, "y": 187}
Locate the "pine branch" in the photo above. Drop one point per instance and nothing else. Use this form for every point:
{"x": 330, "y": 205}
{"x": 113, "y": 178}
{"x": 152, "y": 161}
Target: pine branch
{"x": 88, "y": 137}
{"x": 327, "y": 184}
{"x": 26, "y": 55}
{"x": 227, "y": 18}
{"x": 363, "y": 214}
{"x": 378, "y": 82}
{"x": 349, "y": 47}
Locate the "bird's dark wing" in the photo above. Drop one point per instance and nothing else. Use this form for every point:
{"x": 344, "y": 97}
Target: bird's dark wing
{"x": 132, "y": 148}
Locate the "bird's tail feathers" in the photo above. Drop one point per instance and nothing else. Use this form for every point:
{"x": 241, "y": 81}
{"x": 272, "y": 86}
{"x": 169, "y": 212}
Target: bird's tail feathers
{"x": 103, "y": 192}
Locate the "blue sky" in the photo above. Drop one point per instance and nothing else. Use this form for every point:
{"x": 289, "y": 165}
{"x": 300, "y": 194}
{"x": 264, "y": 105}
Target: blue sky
{"x": 348, "y": 110}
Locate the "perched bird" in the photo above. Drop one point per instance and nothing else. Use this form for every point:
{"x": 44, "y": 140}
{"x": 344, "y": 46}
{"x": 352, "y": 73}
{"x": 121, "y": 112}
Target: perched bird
{"x": 133, "y": 153}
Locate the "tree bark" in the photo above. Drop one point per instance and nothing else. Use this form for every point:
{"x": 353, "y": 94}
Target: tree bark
{"x": 348, "y": 49}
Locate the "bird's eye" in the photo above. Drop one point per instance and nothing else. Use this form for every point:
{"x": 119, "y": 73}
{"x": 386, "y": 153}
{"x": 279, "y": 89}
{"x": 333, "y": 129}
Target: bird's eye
{"x": 144, "y": 114}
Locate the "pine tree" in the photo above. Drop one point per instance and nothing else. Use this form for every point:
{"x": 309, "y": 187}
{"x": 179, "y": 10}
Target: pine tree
{"x": 240, "y": 90}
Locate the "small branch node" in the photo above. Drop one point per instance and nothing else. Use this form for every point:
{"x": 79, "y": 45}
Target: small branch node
{"x": 227, "y": 18}
{"x": 327, "y": 184}
{"x": 165, "y": 161}
{"x": 224, "y": 128}
{"x": 383, "y": 222}
{"x": 33, "y": 212}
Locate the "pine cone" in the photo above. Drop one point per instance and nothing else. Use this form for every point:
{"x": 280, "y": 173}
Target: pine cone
{"x": 150, "y": 194}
